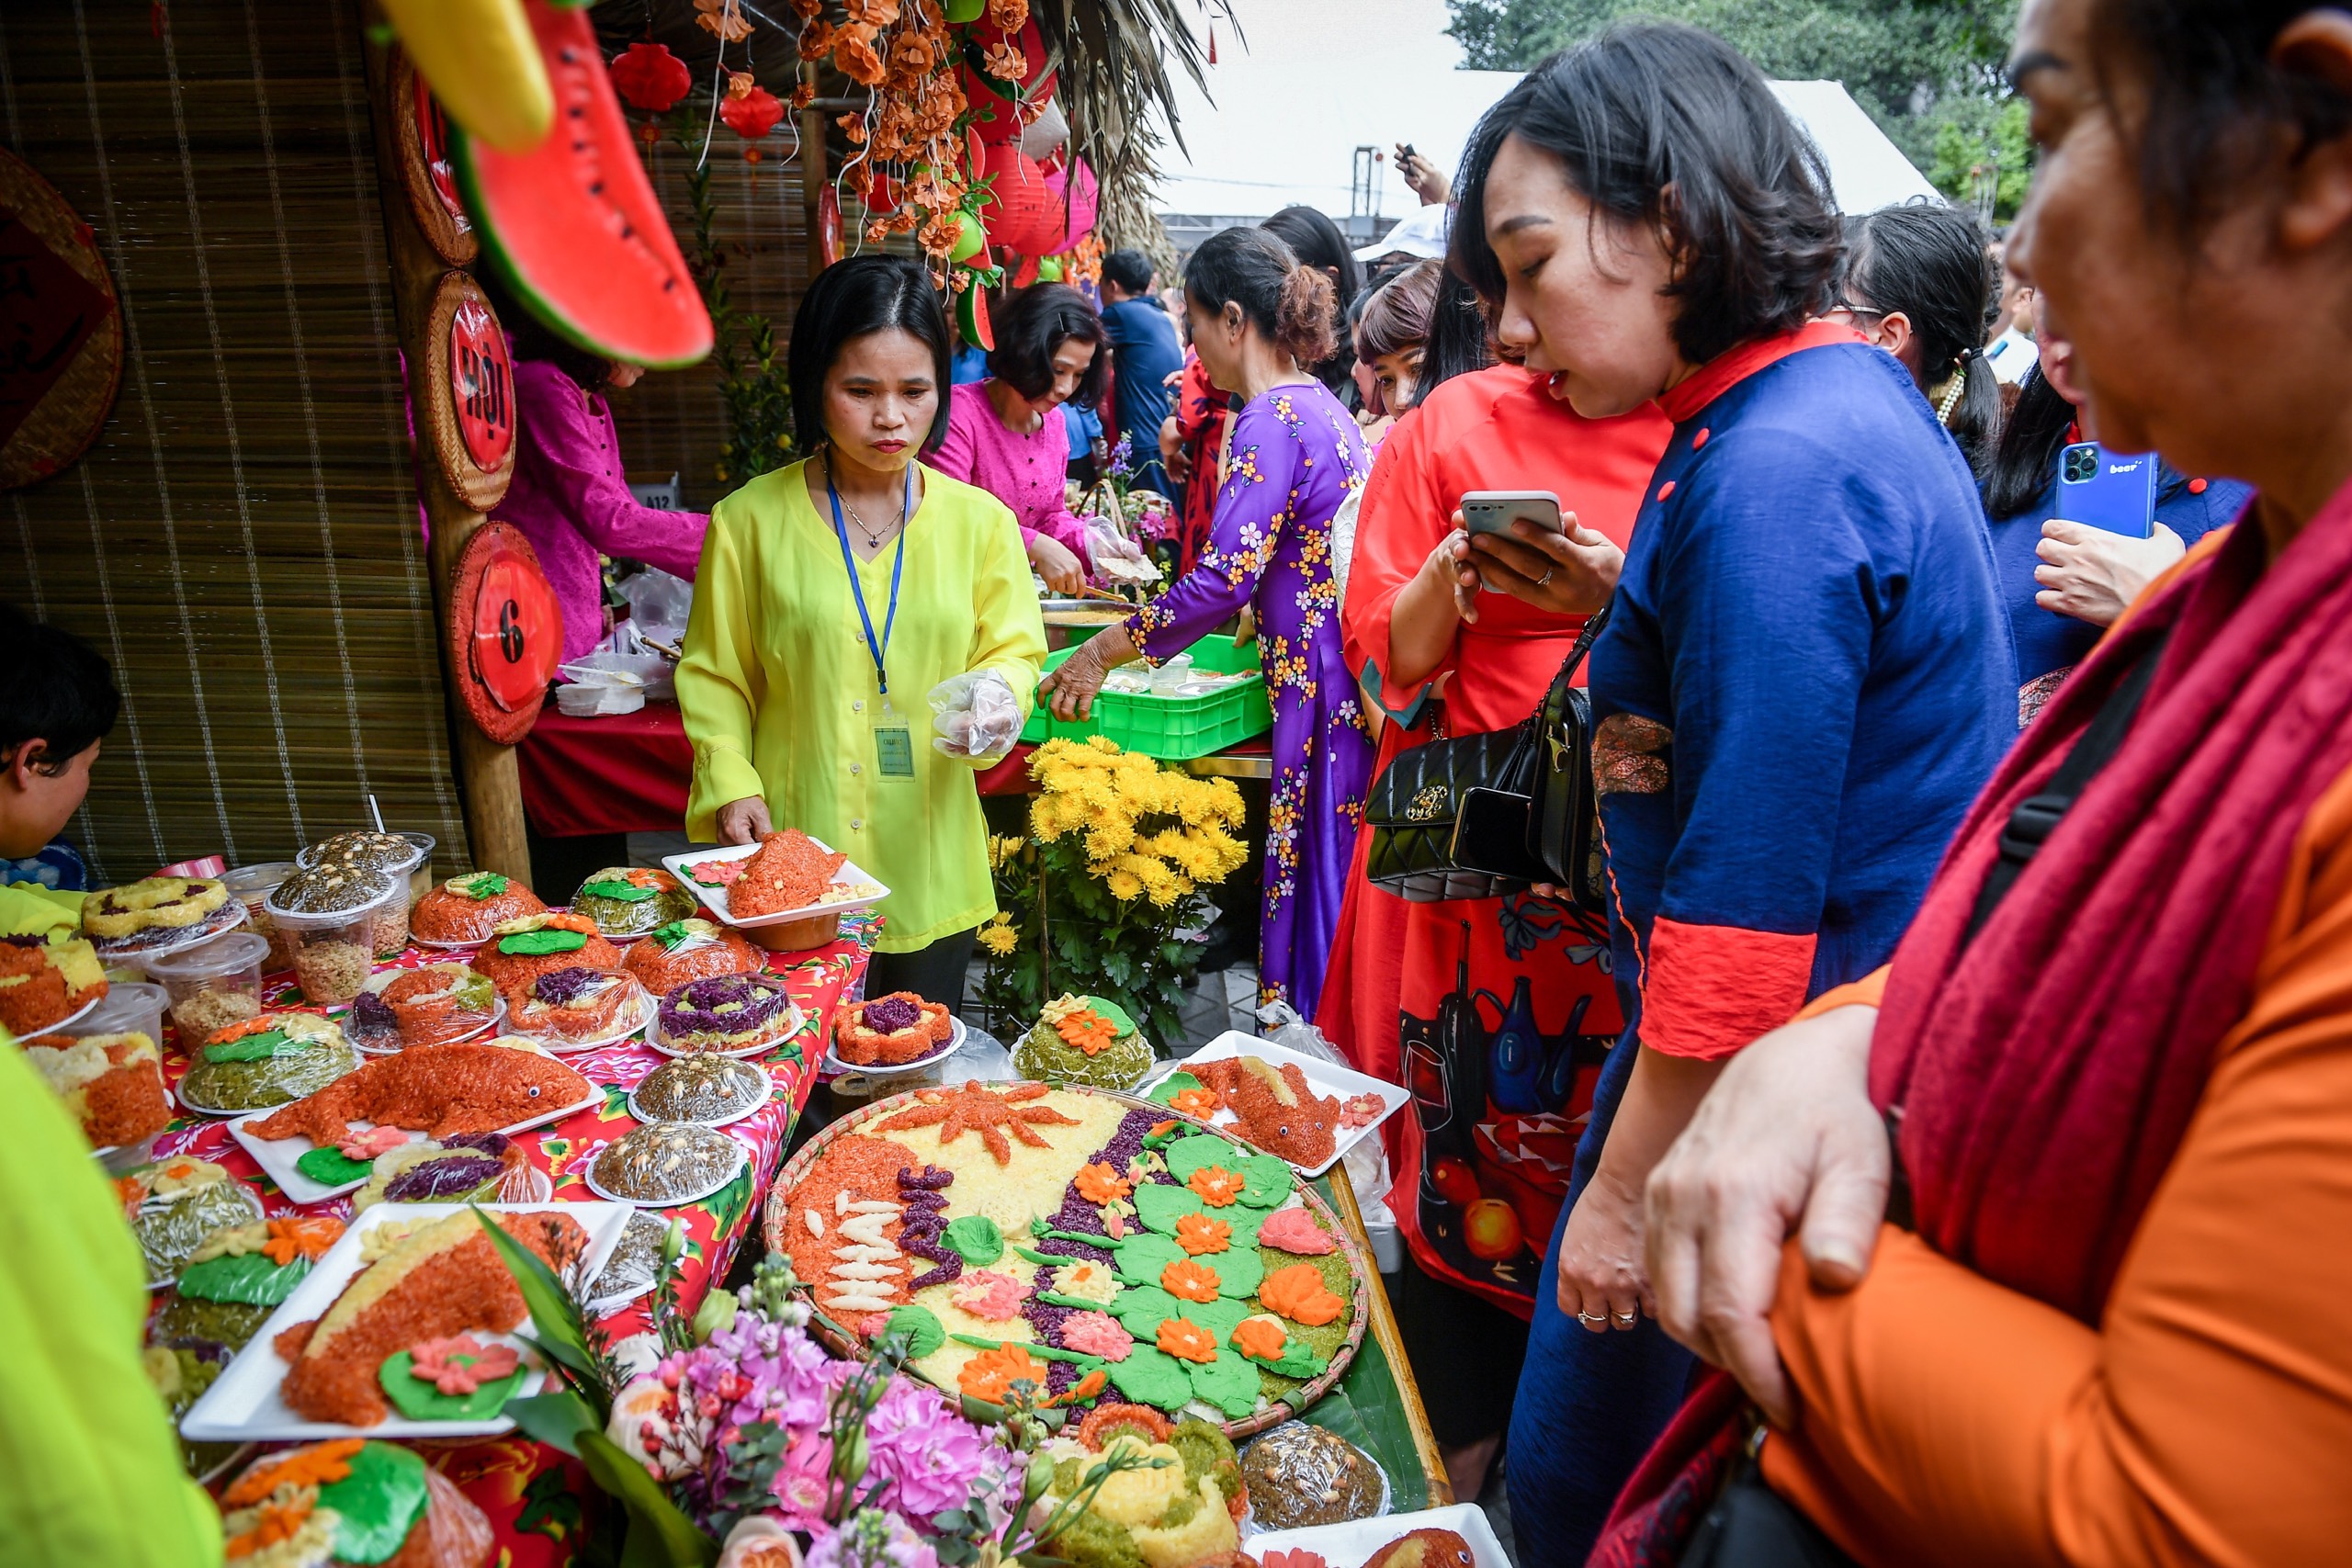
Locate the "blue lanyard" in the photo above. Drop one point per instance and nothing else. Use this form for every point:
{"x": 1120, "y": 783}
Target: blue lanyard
{"x": 898, "y": 562}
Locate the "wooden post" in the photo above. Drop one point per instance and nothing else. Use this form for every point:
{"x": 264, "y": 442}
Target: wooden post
{"x": 488, "y": 776}
{"x": 813, "y": 176}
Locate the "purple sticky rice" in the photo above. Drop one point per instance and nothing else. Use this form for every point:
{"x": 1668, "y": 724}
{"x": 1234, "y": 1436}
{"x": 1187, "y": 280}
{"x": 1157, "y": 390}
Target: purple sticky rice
{"x": 371, "y": 1014}
{"x": 693, "y": 1007}
{"x": 922, "y": 1223}
{"x": 1079, "y": 1215}
{"x": 433, "y": 1179}
{"x": 491, "y": 1144}
{"x": 558, "y": 988}
{"x": 890, "y": 1014}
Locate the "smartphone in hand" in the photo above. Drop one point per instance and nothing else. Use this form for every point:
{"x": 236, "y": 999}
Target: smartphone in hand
{"x": 2114, "y": 491}
{"x": 1494, "y": 511}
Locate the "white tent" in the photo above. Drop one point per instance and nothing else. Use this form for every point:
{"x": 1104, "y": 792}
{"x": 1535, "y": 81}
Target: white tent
{"x": 1319, "y": 78}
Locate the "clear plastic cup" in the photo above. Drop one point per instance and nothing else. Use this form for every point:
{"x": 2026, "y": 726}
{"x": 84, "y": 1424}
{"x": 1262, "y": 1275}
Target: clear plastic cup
{"x": 334, "y": 950}
{"x": 252, "y": 885}
{"x": 419, "y": 876}
{"x": 214, "y": 984}
{"x": 130, "y": 1006}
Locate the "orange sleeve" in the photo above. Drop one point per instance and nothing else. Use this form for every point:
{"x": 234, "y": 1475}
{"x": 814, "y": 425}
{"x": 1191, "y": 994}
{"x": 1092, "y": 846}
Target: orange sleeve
{"x": 1865, "y": 992}
{"x": 1398, "y": 525}
{"x": 1947, "y": 1420}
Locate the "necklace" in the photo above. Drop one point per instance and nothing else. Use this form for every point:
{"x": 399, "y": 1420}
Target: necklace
{"x": 873, "y": 537}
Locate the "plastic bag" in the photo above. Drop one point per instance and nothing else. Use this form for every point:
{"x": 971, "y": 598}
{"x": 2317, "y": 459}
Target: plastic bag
{"x": 657, "y": 604}
{"x": 975, "y": 714}
{"x": 1367, "y": 1162}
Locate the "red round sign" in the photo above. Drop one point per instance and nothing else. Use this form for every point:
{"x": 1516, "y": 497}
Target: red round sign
{"x": 433, "y": 135}
{"x": 484, "y": 382}
{"x": 518, "y": 630}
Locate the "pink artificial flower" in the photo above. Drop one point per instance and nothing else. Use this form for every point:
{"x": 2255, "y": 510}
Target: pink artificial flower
{"x": 461, "y": 1364}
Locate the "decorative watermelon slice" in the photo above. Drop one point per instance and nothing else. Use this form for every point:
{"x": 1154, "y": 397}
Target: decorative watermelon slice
{"x": 972, "y": 318}
{"x": 573, "y": 227}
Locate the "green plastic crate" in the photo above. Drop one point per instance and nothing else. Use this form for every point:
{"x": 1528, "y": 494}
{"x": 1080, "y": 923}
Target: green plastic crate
{"x": 1173, "y": 729}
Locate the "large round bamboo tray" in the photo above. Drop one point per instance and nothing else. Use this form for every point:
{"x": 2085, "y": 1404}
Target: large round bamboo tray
{"x": 1359, "y": 1267}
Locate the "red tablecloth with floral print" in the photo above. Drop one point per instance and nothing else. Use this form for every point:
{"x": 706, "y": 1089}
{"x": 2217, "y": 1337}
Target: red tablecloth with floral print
{"x": 532, "y": 1492}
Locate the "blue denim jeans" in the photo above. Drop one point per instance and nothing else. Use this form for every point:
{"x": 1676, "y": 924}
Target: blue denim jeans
{"x": 1589, "y": 1404}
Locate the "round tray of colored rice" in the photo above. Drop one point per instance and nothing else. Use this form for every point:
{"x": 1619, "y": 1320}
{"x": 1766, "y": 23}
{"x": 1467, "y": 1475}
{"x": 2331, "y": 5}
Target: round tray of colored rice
{"x": 1280, "y": 1398}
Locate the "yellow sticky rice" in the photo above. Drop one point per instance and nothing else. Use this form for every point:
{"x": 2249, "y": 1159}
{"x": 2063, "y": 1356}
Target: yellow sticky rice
{"x": 1030, "y": 1188}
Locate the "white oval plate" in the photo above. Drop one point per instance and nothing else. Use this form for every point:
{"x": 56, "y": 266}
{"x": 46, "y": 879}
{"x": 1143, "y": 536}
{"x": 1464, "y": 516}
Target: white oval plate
{"x": 746, "y": 1114}
{"x": 833, "y": 1064}
{"x": 588, "y": 1174}
{"x": 799, "y": 1021}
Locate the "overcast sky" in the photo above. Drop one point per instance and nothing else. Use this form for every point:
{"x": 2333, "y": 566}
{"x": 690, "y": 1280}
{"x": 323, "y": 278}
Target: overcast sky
{"x": 1307, "y": 83}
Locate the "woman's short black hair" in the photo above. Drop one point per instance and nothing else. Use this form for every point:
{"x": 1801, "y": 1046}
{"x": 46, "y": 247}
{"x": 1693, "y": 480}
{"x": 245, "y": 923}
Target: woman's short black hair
{"x": 1664, "y": 125}
{"x": 1931, "y": 262}
{"x": 1039, "y": 320}
{"x": 1459, "y": 341}
{"x": 2215, "y": 99}
{"x": 850, "y": 298}
{"x": 53, "y": 688}
{"x": 2025, "y": 460}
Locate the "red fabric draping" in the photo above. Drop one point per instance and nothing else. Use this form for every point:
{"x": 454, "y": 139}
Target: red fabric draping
{"x": 619, "y": 774}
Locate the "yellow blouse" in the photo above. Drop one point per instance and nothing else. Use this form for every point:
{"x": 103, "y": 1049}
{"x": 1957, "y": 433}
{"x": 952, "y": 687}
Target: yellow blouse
{"x": 778, "y": 691}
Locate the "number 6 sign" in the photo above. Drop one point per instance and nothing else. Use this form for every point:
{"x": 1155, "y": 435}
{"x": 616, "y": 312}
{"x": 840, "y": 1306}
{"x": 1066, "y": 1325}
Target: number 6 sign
{"x": 506, "y": 632}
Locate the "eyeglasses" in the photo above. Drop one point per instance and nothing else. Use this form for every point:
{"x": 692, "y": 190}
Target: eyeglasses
{"x": 1853, "y": 309}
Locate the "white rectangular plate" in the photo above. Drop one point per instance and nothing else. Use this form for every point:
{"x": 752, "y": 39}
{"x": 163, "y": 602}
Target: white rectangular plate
{"x": 715, "y": 899}
{"x": 1343, "y": 1546}
{"x": 1322, "y": 1077}
{"x": 277, "y": 1156}
{"x": 242, "y": 1406}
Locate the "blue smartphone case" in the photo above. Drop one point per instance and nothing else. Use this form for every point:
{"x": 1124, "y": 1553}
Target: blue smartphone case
{"x": 2114, "y": 491}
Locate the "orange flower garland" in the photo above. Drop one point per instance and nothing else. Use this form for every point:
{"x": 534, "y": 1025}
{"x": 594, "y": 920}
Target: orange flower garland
{"x": 1215, "y": 1186}
{"x": 1187, "y": 1340}
{"x": 1197, "y": 1234}
{"x": 990, "y": 1376}
{"x": 1098, "y": 1183}
{"x": 1188, "y": 1281}
{"x": 1298, "y": 1293}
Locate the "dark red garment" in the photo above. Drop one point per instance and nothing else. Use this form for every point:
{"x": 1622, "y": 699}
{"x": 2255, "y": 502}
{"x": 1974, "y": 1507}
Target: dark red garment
{"x": 1484, "y": 1007}
{"x": 2047, "y": 1071}
{"x": 1202, "y": 415}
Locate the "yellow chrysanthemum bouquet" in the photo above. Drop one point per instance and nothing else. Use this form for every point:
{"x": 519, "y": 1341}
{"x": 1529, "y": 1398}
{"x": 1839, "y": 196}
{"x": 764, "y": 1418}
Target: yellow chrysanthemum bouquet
{"x": 1093, "y": 901}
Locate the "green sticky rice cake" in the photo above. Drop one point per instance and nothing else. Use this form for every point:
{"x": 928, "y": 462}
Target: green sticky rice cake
{"x": 1045, "y": 1053}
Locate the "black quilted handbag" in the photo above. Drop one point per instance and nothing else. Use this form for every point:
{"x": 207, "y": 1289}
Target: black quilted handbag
{"x": 1546, "y": 758}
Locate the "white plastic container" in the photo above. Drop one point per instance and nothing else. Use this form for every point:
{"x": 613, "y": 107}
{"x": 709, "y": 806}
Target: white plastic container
{"x": 252, "y": 885}
{"x": 334, "y": 950}
{"x": 214, "y": 984}
{"x": 130, "y": 1006}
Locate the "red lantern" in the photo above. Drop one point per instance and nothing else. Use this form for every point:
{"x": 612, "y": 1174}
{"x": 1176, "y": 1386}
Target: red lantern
{"x": 650, "y": 77}
{"x": 1027, "y": 215}
{"x": 751, "y": 115}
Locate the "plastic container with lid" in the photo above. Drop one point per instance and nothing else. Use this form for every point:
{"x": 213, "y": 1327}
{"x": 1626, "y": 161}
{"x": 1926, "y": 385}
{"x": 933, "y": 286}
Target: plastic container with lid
{"x": 333, "y": 931}
{"x": 214, "y": 984}
{"x": 419, "y": 876}
{"x": 251, "y": 885}
{"x": 130, "y": 1006}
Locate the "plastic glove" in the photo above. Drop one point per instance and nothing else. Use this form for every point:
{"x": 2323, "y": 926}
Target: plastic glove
{"x": 975, "y": 714}
{"x": 1104, "y": 542}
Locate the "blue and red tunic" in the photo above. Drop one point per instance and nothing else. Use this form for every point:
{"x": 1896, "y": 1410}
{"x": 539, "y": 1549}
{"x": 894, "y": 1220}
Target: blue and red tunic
{"x": 1807, "y": 677}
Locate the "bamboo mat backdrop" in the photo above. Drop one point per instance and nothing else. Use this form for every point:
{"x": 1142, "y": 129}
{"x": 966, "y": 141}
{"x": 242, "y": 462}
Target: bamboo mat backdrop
{"x": 243, "y": 542}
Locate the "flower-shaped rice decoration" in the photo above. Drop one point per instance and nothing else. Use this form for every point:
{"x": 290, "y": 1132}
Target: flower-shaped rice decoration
{"x": 1099, "y": 1183}
{"x": 1200, "y": 1102}
{"x": 1198, "y": 1233}
{"x": 1215, "y": 1186}
{"x": 1188, "y": 1281}
{"x": 1187, "y": 1340}
{"x": 990, "y": 1376}
{"x": 460, "y": 1363}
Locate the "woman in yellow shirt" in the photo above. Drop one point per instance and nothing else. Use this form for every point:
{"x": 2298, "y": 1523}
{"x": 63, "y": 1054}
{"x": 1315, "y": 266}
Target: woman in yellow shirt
{"x": 832, "y": 596}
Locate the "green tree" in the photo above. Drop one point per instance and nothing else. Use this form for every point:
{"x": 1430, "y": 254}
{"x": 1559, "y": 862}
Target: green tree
{"x": 1928, "y": 71}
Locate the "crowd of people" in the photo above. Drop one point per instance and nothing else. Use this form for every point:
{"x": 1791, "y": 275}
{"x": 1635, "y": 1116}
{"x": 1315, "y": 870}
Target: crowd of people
{"x": 1963, "y": 1021}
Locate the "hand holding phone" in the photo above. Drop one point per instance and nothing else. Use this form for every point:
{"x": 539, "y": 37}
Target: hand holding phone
{"x": 2114, "y": 491}
{"x": 1522, "y": 546}
{"x": 1494, "y": 511}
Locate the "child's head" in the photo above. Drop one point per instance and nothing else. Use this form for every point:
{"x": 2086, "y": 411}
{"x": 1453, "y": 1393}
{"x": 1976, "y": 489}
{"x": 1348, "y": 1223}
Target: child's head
{"x": 57, "y": 700}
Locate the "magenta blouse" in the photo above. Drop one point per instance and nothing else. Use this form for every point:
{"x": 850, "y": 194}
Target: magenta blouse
{"x": 1025, "y": 472}
{"x": 570, "y": 499}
